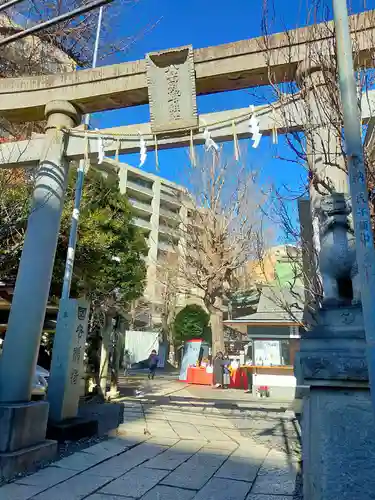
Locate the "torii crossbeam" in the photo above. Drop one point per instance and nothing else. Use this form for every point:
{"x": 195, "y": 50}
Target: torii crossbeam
{"x": 237, "y": 65}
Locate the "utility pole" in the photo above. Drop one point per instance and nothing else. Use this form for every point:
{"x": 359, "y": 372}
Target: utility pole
{"x": 357, "y": 180}
{"x": 79, "y": 187}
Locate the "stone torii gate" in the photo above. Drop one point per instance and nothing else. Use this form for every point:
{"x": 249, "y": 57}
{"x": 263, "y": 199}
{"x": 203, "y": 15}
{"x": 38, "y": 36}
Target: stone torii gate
{"x": 169, "y": 81}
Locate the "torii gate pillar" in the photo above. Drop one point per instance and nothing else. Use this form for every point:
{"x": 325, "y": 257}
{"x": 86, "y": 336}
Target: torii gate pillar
{"x": 35, "y": 270}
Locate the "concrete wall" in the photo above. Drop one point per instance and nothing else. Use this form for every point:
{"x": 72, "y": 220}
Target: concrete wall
{"x": 282, "y": 387}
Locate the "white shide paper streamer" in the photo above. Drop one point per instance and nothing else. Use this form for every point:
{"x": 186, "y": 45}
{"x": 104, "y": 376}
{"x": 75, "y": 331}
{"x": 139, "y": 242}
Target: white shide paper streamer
{"x": 254, "y": 128}
{"x": 210, "y": 143}
{"x": 100, "y": 149}
{"x": 142, "y": 150}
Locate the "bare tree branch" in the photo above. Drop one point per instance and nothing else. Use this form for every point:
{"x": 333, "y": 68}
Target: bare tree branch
{"x": 219, "y": 223}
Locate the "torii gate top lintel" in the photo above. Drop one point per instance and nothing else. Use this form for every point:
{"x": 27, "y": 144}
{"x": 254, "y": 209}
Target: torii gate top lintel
{"x": 220, "y": 68}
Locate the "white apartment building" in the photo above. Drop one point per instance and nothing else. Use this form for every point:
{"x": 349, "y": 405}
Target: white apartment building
{"x": 157, "y": 206}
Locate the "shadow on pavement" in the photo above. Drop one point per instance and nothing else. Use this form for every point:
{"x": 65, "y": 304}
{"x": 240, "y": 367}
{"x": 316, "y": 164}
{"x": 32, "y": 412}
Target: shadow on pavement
{"x": 252, "y": 419}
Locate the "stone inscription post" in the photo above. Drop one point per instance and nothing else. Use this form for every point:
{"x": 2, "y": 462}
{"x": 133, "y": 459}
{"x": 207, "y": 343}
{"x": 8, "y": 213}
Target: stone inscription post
{"x": 67, "y": 360}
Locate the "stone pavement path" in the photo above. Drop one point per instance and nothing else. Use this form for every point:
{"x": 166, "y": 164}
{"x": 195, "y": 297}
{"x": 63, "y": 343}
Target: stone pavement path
{"x": 168, "y": 450}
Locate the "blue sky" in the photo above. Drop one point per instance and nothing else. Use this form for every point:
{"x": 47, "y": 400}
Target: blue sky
{"x": 204, "y": 23}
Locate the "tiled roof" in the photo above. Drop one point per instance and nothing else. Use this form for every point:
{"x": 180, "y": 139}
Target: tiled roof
{"x": 279, "y": 305}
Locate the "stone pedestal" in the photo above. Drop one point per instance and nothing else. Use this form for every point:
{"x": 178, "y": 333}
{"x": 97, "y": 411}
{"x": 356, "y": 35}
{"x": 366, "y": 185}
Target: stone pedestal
{"x": 22, "y": 438}
{"x": 338, "y": 425}
{"x": 72, "y": 429}
{"x": 338, "y": 429}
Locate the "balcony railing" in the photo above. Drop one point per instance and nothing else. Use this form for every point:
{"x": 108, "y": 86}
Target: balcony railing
{"x": 169, "y": 231}
{"x": 142, "y": 223}
{"x": 172, "y": 199}
{"x": 140, "y": 205}
{"x": 138, "y": 187}
{"x": 165, "y": 212}
{"x": 169, "y": 190}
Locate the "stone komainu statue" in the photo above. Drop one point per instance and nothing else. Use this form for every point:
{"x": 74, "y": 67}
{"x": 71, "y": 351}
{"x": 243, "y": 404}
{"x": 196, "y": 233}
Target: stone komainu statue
{"x": 337, "y": 258}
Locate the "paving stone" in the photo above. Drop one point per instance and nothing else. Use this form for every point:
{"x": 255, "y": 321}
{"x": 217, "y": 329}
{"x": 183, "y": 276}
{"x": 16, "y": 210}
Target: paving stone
{"x": 137, "y": 482}
{"x": 79, "y": 461}
{"x": 160, "y": 424}
{"x": 277, "y": 476}
{"x": 197, "y": 420}
{"x": 131, "y": 441}
{"x": 18, "y": 492}
{"x": 117, "y": 466}
{"x": 243, "y": 464}
{"x": 133, "y": 412}
{"x": 161, "y": 429}
{"x": 223, "y": 445}
{"x": 99, "y": 496}
{"x": 133, "y": 407}
{"x": 175, "y": 456}
{"x": 164, "y": 441}
{"x": 168, "y": 493}
{"x": 177, "y": 417}
{"x": 251, "y": 496}
{"x": 194, "y": 473}
{"x": 131, "y": 427}
{"x": 223, "y": 489}
{"x": 155, "y": 416}
{"x": 107, "y": 449}
{"x": 50, "y": 476}
{"x": 235, "y": 435}
{"x": 186, "y": 431}
{"x": 133, "y": 417}
{"x": 212, "y": 433}
{"x": 75, "y": 488}
{"x": 222, "y": 423}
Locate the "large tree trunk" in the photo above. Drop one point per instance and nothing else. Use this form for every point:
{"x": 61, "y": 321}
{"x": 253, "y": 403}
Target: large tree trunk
{"x": 172, "y": 353}
{"x": 115, "y": 369}
{"x": 217, "y": 328}
{"x": 104, "y": 355}
{"x": 117, "y": 356}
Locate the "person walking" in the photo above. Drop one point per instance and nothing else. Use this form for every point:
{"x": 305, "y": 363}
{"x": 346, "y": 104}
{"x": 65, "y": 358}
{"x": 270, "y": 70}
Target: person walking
{"x": 153, "y": 361}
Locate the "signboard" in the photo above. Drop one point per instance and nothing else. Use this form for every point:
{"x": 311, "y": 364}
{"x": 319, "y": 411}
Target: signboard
{"x": 191, "y": 356}
{"x": 267, "y": 352}
{"x": 265, "y": 331}
{"x": 171, "y": 90}
{"x": 67, "y": 359}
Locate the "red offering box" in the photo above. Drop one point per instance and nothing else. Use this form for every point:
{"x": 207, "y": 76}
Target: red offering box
{"x": 199, "y": 376}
